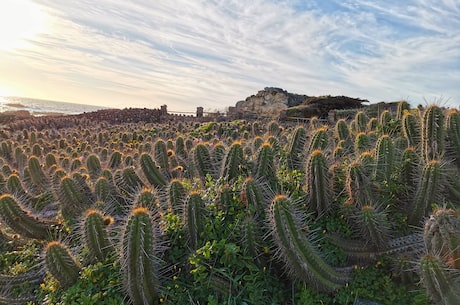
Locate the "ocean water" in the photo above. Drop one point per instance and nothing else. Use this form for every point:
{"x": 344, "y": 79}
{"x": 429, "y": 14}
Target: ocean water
{"x": 43, "y": 107}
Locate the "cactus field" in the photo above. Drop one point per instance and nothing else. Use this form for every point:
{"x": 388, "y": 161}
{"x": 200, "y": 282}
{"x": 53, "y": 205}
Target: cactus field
{"x": 363, "y": 209}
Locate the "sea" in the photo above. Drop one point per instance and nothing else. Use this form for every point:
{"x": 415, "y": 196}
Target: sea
{"x": 39, "y": 107}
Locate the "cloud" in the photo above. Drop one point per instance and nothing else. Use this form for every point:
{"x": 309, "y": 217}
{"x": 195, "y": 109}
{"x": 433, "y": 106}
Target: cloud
{"x": 213, "y": 53}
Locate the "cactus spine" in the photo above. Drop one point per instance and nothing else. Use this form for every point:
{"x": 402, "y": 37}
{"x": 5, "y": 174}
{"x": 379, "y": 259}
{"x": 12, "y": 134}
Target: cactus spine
{"x": 265, "y": 166}
{"x": 139, "y": 263}
{"x": 302, "y": 258}
{"x": 60, "y": 263}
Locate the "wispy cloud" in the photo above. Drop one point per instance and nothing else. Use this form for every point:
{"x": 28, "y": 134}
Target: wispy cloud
{"x": 213, "y": 53}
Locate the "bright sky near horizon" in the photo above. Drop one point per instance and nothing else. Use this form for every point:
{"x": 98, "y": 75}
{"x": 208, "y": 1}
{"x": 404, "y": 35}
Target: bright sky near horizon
{"x": 212, "y": 53}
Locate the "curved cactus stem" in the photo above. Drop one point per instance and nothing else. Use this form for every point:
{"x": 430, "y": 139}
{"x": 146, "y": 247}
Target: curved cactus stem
{"x": 302, "y": 258}
{"x": 202, "y": 161}
{"x": 295, "y": 149}
{"x": 234, "y": 162}
{"x": 21, "y": 220}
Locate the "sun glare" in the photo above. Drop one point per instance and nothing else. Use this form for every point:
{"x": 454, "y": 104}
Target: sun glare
{"x": 20, "y": 22}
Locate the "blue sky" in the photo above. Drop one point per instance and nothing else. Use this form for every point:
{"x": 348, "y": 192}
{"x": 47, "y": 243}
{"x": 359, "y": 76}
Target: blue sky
{"x": 213, "y": 53}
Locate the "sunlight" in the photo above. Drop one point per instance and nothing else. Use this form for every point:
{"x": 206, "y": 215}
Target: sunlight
{"x": 20, "y": 21}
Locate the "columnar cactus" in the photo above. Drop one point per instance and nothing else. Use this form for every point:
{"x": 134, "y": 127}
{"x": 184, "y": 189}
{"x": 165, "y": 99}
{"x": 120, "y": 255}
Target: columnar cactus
{"x": 95, "y": 234}
{"x": 442, "y": 236}
{"x": 176, "y": 195}
{"x": 161, "y": 154}
{"x": 453, "y": 135}
{"x": 301, "y": 256}
{"x": 428, "y": 192}
{"x": 409, "y": 171}
{"x": 73, "y": 198}
{"x": 138, "y": 259}
{"x": 384, "y": 158}
{"x": 194, "y": 218}
{"x": 319, "y": 140}
{"x": 234, "y": 162}
{"x": 441, "y": 283}
{"x": 37, "y": 175}
{"x": 373, "y": 225}
{"x": 317, "y": 183}
{"x": 202, "y": 161}
{"x": 152, "y": 172}
{"x": 61, "y": 264}
{"x": 94, "y": 166}
{"x": 357, "y": 185}
{"x": 296, "y": 148}
{"x": 265, "y": 166}
{"x": 433, "y": 133}
{"x": 22, "y": 221}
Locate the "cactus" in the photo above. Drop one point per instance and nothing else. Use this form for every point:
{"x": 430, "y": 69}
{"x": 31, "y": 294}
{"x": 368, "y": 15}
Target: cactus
{"x": 428, "y": 192}
{"x": 252, "y": 238}
{"x": 161, "y": 154}
{"x": 301, "y": 256}
{"x": 342, "y": 132}
{"x": 194, "y": 219}
{"x": 22, "y": 221}
{"x": 374, "y": 227}
{"x": 432, "y": 133}
{"x": 176, "y": 195}
{"x": 372, "y": 125}
{"x": 61, "y": 264}
{"x": 14, "y": 186}
{"x": 218, "y": 154}
{"x": 50, "y": 160}
{"x": 265, "y": 166}
{"x": 296, "y": 148}
{"x": 384, "y": 159}
{"x": 442, "y": 236}
{"x": 317, "y": 183}
{"x": 403, "y": 108}
{"x": 102, "y": 189}
{"x": 453, "y": 135}
{"x": 202, "y": 161}
{"x": 409, "y": 171}
{"x": 151, "y": 171}
{"x": 319, "y": 140}
{"x": 94, "y": 166}
{"x": 73, "y": 198}
{"x": 115, "y": 160}
{"x": 138, "y": 260}
{"x": 362, "y": 142}
{"x": 95, "y": 235}
{"x": 384, "y": 121}
{"x": 128, "y": 181}
{"x": 357, "y": 185}
{"x": 147, "y": 198}
{"x": 441, "y": 283}
{"x": 360, "y": 122}
{"x": 234, "y": 162}
{"x": 37, "y": 175}
{"x": 411, "y": 129}
{"x": 255, "y": 194}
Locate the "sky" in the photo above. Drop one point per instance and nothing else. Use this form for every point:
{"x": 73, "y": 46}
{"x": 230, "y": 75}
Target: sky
{"x": 213, "y": 53}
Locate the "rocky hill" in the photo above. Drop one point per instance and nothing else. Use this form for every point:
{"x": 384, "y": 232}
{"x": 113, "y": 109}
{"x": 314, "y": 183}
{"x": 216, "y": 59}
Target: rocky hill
{"x": 271, "y": 102}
